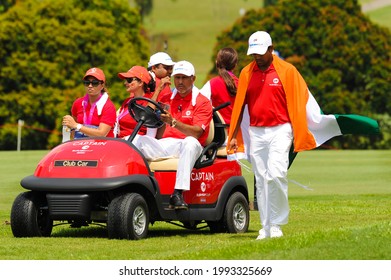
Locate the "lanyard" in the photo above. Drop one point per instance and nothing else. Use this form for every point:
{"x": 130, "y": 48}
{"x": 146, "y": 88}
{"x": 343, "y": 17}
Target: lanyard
{"x": 123, "y": 111}
{"x": 87, "y": 120}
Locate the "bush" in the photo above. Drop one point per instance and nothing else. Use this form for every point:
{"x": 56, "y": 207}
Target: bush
{"x": 46, "y": 47}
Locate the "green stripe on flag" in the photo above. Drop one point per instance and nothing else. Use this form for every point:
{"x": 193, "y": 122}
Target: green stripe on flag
{"x": 356, "y": 124}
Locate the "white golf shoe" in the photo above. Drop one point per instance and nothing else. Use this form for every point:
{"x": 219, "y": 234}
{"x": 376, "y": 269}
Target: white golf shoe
{"x": 263, "y": 234}
{"x": 275, "y": 232}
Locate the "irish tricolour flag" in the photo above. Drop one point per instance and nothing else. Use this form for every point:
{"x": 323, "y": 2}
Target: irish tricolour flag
{"x": 325, "y": 127}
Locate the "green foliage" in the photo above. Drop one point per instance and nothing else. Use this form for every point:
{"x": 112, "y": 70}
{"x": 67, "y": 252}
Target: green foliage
{"x": 269, "y": 2}
{"x": 6, "y": 4}
{"x": 46, "y": 47}
{"x": 381, "y": 141}
{"x": 145, "y": 7}
{"x": 342, "y": 55}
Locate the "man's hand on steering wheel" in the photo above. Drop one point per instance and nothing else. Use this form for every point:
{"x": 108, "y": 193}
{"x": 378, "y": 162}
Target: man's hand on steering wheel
{"x": 166, "y": 117}
{"x": 149, "y": 116}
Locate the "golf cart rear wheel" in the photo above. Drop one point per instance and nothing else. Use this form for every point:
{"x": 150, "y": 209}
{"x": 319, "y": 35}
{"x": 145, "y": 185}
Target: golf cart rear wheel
{"x": 236, "y": 214}
{"x": 30, "y": 216}
{"x": 128, "y": 217}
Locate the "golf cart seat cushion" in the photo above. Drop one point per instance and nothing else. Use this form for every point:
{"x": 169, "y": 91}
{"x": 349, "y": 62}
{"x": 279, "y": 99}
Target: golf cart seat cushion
{"x": 222, "y": 152}
{"x": 171, "y": 164}
{"x": 221, "y": 134}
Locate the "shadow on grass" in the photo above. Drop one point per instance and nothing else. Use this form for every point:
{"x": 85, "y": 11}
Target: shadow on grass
{"x": 156, "y": 231}
{"x": 98, "y": 231}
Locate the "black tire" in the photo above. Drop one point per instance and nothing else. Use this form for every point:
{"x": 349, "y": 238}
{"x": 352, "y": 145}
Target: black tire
{"x": 30, "y": 216}
{"x": 237, "y": 214}
{"x": 128, "y": 217}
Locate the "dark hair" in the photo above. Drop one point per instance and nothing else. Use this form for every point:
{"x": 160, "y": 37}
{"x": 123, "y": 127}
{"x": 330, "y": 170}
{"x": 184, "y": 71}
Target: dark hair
{"x": 227, "y": 59}
{"x": 104, "y": 89}
{"x": 151, "y": 86}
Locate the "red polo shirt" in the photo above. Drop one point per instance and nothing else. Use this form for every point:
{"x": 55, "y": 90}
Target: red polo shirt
{"x": 220, "y": 95}
{"x": 125, "y": 121}
{"x": 165, "y": 94}
{"x": 108, "y": 115}
{"x": 266, "y": 99}
{"x": 182, "y": 110}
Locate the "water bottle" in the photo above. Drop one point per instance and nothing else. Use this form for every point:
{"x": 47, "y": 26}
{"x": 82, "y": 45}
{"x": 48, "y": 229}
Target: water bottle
{"x": 66, "y": 133}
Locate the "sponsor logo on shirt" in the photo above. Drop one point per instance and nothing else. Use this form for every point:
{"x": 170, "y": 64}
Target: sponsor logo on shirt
{"x": 276, "y": 83}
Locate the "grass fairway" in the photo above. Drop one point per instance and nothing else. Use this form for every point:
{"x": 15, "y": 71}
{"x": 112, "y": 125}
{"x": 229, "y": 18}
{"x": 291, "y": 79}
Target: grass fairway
{"x": 346, "y": 215}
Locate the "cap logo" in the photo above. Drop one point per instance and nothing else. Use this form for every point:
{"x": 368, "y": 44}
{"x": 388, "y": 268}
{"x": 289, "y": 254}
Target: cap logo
{"x": 183, "y": 67}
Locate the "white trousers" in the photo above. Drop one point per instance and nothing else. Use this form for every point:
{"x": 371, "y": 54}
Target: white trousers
{"x": 269, "y": 151}
{"x": 186, "y": 150}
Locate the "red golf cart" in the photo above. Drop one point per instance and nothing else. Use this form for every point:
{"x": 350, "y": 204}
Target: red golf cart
{"x": 108, "y": 181}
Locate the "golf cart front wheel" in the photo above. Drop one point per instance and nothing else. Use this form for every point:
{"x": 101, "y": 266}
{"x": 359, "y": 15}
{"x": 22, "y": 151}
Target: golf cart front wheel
{"x": 30, "y": 216}
{"x": 128, "y": 217}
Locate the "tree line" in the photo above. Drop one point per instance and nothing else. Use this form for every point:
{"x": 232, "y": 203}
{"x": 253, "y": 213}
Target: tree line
{"x": 46, "y": 47}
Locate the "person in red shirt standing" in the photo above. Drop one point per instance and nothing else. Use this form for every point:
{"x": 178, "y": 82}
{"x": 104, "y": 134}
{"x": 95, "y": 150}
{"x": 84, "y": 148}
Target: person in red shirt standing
{"x": 94, "y": 114}
{"x": 270, "y": 132}
{"x": 186, "y": 130}
{"x": 222, "y": 88}
{"x": 139, "y": 83}
{"x": 160, "y": 66}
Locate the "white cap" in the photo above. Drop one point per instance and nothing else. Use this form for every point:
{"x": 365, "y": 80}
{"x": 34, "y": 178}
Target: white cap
{"x": 259, "y": 42}
{"x": 160, "y": 58}
{"x": 183, "y": 67}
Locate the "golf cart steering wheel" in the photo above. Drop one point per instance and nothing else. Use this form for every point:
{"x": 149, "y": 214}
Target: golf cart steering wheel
{"x": 145, "y": 114}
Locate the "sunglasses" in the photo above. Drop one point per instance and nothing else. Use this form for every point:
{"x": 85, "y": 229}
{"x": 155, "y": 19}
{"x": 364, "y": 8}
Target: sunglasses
{"x": 129, "y": 80}
{"x": 94, "y": 83}
{"x": 166, "y": 67}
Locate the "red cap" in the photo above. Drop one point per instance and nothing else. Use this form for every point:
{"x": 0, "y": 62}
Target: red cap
{"x": 96, "y": 73}
{"x": 137, "y": 72}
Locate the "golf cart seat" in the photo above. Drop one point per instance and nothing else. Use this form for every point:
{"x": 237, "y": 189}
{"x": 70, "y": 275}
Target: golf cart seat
{"x": 221, "y": 134}
{"x": 206, "y": 158}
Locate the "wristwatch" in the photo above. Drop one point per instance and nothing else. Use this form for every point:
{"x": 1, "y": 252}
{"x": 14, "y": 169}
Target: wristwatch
{"x": 78, "y": 127}
{"x": 173, "y": 122}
